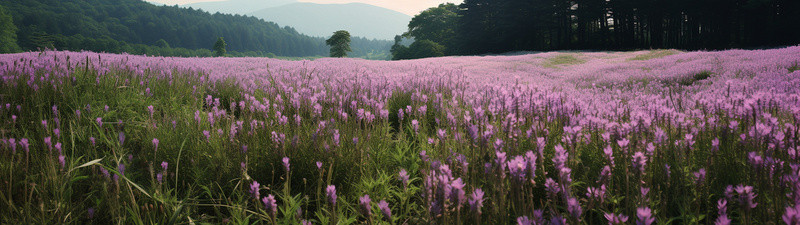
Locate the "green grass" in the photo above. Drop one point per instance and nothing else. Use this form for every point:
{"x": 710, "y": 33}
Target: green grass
{"x": 655, "y": 54}
{"x": 562, "y": 60}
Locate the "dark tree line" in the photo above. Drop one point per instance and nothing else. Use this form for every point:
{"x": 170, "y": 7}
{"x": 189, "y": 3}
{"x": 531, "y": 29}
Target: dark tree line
{"x": 507, "y": 25}
{"x": 496, "y": 26}
{"x": 136, "y": 26}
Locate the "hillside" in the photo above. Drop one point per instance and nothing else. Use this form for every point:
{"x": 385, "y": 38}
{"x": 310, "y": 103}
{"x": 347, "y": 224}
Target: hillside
{"x": 323, "y": 19}
{"x": 112, "y": 25}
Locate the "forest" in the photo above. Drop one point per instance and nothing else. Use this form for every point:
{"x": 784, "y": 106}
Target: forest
{"x": 497, "y": 26}
{"x": 138, "y": 27}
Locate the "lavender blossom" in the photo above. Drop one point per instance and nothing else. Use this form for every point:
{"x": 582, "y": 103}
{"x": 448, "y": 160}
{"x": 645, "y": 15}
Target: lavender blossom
{"x": 476, "y": 201}
{"x": 155, "y": 145}
{"x": 364, "y": 203}
{"x": 254, "y": 188}
{"x": 616, "y": 219}
{"x": 286, "y": 163}
{"x": 645, "y": 216}
{"x": 330, "y": 192}
{"x": 270, "y": 205}
{"x": 387, "y": 212}
{"x": 403, "y": 176}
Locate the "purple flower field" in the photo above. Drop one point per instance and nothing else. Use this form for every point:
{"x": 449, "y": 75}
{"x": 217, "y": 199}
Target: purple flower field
{"x": 646, "y": 137}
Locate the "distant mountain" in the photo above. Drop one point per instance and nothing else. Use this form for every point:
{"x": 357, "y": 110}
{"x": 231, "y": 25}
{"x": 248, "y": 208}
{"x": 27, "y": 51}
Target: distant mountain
{"x": 323, "y": 19}
{"x": 237, "y": 6}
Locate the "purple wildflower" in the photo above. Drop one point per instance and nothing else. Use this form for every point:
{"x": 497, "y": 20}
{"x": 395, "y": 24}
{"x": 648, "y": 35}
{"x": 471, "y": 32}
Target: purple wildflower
{"x": 723, "y": 220}
{"x": 792, "y": 215}
{"x": 552, "y": 187}
{"x": 25, "y": 144}
{"x": 596, "y": 194}
{"x": 457, "y": 194}
{"x": 523, "y": 220}
{"x": 90, "y": 213}
{"x": 387, "y": 212}
{"x": 270, "y": 205}
{"x": 49, "y": 142}
{"x": 155, "y": 144}
{"x": 639, "y": 161}
{"x": 746, "y": 196}
{"x": 254, "y": 188}
{"x": 13, "y": 143}
{"x": 403, "y": 176}
{"x": 62, "y": 161}
{"x": 121, "y": 169}
{"x": 330, "y": 192}
{"x": 286, "y": 163}
{"x": 336, "y": 137}
{"x": 58, "y": 147}
{"x": 364, "y": 203}
{"x": 476, "y": 201}
{"x": 574, "y": 208}
{"x": 615, "y": 219}
{"x": 715, "y": 145}
{"x": 700, "y": 176}
{"x": 645, "y": 216}
{"x": 151, "y": 110}
{"x": 560, "y": 157}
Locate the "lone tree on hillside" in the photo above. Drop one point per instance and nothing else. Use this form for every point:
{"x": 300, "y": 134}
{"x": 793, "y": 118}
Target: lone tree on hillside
{"x": 219, "y": 47}
{"x": 340, "y": 43}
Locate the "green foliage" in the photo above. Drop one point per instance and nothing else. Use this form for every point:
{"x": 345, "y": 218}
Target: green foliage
{"x": 419, "y": 49}
{"x": 436, "y": 24}
{"x": 794, "y": 67}
{"x": 434, "y": 32}
{"x": 8, "y": 33}
{"x": 219, "y": 47}
{"x": 340, "y": 43}
{"x": 398, "y": 50}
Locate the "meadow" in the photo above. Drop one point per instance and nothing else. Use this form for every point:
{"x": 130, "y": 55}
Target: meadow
{"x": 644, "y": 137}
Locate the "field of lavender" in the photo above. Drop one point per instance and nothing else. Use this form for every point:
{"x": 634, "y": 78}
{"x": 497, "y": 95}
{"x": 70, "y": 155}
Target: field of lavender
{"x": 647, "y": 137}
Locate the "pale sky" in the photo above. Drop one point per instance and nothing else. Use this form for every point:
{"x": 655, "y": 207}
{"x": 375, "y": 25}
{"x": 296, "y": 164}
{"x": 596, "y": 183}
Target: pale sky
{"x": 410, "y": 7}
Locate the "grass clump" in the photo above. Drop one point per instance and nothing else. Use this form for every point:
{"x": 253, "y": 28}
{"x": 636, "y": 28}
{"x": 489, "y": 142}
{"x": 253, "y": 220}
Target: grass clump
{"x": 563, "y": 59}
{"x": 694, "y": 78}
{"x": 794, "y": 67}
{"x": 654, "y": 54}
